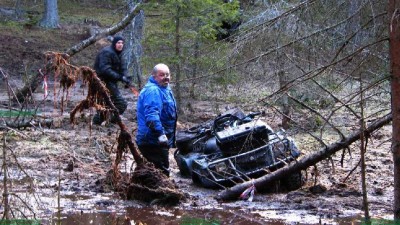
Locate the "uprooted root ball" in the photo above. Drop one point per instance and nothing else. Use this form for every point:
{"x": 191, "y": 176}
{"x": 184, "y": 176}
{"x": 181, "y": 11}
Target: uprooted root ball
{"x": 151, "y": 185}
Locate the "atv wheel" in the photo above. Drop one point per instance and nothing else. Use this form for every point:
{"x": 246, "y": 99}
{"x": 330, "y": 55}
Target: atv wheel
{"x": 293, "y": 181}
{"x": 203, "y": 181}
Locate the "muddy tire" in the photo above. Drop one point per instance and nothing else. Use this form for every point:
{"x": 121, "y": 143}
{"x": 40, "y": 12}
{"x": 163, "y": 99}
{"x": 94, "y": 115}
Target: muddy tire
{"x": 203, "y": 181}
{"x": 293, "y": 181}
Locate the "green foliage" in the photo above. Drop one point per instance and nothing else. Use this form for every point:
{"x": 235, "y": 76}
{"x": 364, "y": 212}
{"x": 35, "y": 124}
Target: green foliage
{"x": 381, "y": 222}
{"x": 229, "y": 77}
{"x": 12, "y": 24}
{"x": 199, "y": 21}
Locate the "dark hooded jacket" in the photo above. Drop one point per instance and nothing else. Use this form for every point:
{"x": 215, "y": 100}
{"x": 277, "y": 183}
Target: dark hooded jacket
{"x": 110, "y": 68}
{"x": 109, "y": 64}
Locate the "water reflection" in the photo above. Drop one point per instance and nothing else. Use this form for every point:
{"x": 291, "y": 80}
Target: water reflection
{"x": 157, "y": 216}
{"x": 194, "y": 216}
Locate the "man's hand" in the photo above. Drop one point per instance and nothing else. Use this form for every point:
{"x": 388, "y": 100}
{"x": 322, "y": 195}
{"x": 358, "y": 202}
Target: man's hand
{"x": 163, "y": 140}
{"x": 126, "y": 80}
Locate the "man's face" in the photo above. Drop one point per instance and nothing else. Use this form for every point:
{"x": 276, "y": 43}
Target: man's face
{"x": 119, "y": 45}
{"x": 162, "y": 76}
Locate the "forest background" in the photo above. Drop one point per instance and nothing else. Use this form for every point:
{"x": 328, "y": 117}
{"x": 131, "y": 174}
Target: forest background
{"x": 320, "y": 69}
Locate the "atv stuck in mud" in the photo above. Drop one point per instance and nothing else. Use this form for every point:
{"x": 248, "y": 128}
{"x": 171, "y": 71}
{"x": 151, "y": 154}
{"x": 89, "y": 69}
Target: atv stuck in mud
{"x": 234, "y": 148}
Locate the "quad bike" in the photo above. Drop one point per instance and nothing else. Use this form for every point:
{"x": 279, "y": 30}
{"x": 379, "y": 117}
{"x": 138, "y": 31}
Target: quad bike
{"x": 234, "y": 148}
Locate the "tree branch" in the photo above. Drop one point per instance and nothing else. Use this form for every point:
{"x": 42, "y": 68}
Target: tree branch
{"x": 109, "y": 31}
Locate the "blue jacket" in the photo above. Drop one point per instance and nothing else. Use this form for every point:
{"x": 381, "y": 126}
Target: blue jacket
{"x": 156, "y": 114}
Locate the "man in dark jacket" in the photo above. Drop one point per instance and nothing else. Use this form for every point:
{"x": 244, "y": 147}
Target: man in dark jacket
{"x": 156, "y": 116}
{"x": 111, "y": 68}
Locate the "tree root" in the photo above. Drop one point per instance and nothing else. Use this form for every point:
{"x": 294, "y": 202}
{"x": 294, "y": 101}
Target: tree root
{"x": 147, "y": 183}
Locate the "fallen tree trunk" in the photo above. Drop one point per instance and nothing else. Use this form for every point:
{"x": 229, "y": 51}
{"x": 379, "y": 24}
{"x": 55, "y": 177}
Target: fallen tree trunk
{"x": 27, "y": 123}
{"x": 234, "y": 192}
{"x": 34, "y": 82}
{"x": 109, "y": 31}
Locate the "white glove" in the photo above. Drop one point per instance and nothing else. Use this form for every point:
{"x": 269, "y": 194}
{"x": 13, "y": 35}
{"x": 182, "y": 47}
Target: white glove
{"x": 163, "y": 139}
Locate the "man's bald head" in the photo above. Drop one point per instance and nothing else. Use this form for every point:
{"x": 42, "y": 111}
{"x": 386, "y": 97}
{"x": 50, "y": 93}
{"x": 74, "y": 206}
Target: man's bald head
{"x": 161, "y": 74}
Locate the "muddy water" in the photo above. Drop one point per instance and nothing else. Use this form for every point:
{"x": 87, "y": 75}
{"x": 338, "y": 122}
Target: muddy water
{"x": 212, "y": 216}
{"x": 165, "y": 216}
{"x": 86, "y": 207}
{"x": 151, "y": 216}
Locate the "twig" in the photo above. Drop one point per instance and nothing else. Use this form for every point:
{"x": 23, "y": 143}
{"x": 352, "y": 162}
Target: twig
{"x": 9, "y": 89}
{"x": 351, "y": 171}
{"x": 318, "y": 114}
{"x": 5, "y": 180}
{"x": 363, "y": 149}
{"x": 20, "y": 167}
{"x": 297, "y": 125}
{"x": 26, "y": 204}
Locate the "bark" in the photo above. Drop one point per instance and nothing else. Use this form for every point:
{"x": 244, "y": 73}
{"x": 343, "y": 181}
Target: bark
{"x": 29, "y": 88}
{"x": 178, "y": 56}
{"x": 50, "y": 16}
{"x": 286, "y": 108}
{"x": 195, "y": 68}
{"x": 363, "y": 149}
{"x": 133, "y": 48}
{"x": 28, "y": 123}
{"x": 354, "y": 23}
{"x": 5, "y": 180}
{"x": 18, "y": 9}
{"x": 394, "y": 50}
{"x": 302, "y": 164}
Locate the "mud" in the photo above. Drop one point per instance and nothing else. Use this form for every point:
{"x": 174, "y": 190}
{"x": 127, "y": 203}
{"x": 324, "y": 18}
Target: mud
{"x": 67, "y": 165}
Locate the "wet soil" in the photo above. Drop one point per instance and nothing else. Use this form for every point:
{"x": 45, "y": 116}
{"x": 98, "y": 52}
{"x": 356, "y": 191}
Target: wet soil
{"x": 62, "y": 169}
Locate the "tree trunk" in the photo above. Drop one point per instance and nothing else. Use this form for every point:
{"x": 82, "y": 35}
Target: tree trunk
{"x": 50, "y": 16}
{"x": 394, "y": 50}
{"x": 196, "y": 62}
{"x": 286, "y": 108}
{"x": 305, "y": 162}
{"x": 178, "y": 57}
{"x": 354, "y": 23}
{"x": 133, "y": 47}
{"x": 5, "y": 180}
{"x": 30, "y": 87}
{"x": 18, "y": 9}
{"x": 363, "y": 150}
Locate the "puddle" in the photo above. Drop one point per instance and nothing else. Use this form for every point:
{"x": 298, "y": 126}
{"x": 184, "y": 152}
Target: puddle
{"x": 87, "y": 208}
{"x": 194, "y": 216}
{"x": 164, "y": 216}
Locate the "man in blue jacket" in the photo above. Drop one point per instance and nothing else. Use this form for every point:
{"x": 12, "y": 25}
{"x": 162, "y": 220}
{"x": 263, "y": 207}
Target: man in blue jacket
{"x": 156, "y": 117}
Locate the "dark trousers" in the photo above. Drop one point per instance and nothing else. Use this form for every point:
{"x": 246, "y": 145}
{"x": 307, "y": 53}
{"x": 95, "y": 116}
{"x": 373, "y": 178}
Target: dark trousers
{"x": 158, "y": 155}
{"x": 118, "y": 101}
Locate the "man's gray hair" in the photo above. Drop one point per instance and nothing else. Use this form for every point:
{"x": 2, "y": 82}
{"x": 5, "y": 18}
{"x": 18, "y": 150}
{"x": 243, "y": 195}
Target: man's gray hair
{"x": 157, "y": 67}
